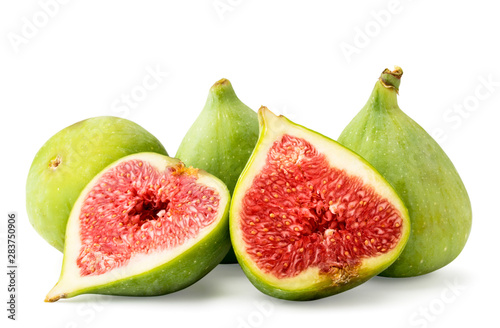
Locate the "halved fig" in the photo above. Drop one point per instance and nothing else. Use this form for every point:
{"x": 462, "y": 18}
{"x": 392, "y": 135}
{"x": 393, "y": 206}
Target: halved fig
{"x": 310, "y": 218}
{"x": 145, "y": 225}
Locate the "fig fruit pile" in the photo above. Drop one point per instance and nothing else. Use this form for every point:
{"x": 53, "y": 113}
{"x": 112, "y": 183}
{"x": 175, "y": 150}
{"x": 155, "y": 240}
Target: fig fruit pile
{"x": 307, "y": 217}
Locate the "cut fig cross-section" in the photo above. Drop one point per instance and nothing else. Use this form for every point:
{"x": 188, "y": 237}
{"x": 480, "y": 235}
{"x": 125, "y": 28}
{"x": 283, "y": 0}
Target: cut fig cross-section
{"x": 310, "y": 218}
{"x": 146, "y": 225}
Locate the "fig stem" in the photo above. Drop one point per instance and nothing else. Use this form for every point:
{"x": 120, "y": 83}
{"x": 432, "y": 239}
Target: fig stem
{"x": 391, "y": 79}
{"x": 222, "y": 88}
{"x": 222, "y": 97}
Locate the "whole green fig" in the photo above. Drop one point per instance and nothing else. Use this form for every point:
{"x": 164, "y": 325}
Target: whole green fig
{"x": 69, "y": 160}
{"x": 422, "y": 174}
{"x": 222, "y": 138}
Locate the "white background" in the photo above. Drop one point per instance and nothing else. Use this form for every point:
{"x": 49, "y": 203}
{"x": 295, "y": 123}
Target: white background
{"x": 79, "y": 61}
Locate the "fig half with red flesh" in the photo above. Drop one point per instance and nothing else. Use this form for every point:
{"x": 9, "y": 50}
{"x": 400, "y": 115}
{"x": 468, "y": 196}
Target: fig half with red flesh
{"x": 309, "y": 218}
{"x": 145, "y": 225}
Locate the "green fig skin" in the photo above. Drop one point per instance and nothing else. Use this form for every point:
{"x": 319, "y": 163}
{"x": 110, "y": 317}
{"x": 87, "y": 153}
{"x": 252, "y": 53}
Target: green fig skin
{"x": 69, "y": 160}
{"x": 422, "y": 174}
{"x": 221, "y": 139}
{"x": 307, "y": 294}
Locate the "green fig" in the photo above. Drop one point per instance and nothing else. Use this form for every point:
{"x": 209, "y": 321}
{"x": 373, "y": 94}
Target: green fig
{"x": 420, "y": 171}
{"x": 69, "y": 160}
{"x": 145, "y": 225}
{"x": 222, "y": 138}
{"x": 309, "y": 218}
